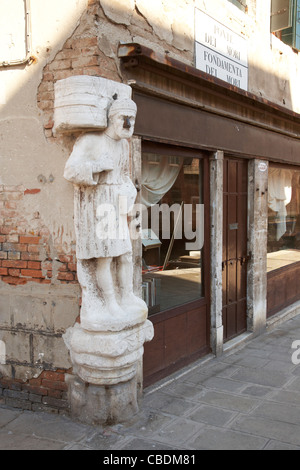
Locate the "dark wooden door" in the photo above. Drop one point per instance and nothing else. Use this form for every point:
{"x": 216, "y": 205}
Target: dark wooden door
{"x": 235, "y": 256}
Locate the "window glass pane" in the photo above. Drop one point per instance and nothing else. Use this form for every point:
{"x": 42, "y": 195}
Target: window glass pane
{"x": 172, "y": 230}
{"x": 291, "y": 36}
{"x": 297, "y": 27}
{"x": 283, "y": 217}
{"x": 242, "y": 4}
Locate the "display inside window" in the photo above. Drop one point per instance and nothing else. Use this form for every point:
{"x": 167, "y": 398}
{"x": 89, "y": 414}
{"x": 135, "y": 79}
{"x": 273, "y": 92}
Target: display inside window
{"x": 172, "y": 234}
{"x": 283, "y": 217}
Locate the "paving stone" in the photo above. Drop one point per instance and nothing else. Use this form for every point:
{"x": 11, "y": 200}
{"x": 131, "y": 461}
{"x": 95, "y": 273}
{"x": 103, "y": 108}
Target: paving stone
{"x": 76, "y": 447}
{"x": 169, "y": 404}
{"x": 294, "y": 385}
{"x": 140, "y": 444}
{"x": 214, "y": 370}
{"x": 183, "y": 389}
{"x": 102, "y": 440}
{"x": 147, "y": 424}
{"x": 285, "y": 396}
{"x": 285, "y": 413}
{"x": 224, "y": 439}
{"x": 284, "y": 432}
{"x": 211, "y": 415}
{"x": 243, "y": 359}
{"x": 48, "y": 426}
{"x": 274, "y": 445}
{"x": 7, "y": 415}
{"x": 229, "y": 401}
{"x": 261, "y": 377}
{"x": 178, "y": 432}
{"x": 257, "y": 391}
{"x": 226, "y": 385}
{"x": 20, "y": 441}
{"x": 275, "y": 365}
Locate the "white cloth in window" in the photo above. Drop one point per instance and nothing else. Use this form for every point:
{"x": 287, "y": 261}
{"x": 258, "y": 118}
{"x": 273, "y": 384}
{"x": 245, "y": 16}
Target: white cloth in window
{"x": 159, "y": 174}
{"x": 280, "y": 195}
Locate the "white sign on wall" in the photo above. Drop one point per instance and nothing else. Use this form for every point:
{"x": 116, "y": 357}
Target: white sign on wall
{"x": 220, "y": 52}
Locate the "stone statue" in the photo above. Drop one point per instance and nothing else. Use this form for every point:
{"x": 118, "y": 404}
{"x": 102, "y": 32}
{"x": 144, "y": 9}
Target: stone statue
{"x": 107, "y": 346}
{"x": 104, "y": 193}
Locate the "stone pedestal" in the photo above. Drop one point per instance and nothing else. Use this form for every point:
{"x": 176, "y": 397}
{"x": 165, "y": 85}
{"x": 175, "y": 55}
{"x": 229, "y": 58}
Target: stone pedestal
{"x": 103, "y": 405}
{"x": 105, "y": 389}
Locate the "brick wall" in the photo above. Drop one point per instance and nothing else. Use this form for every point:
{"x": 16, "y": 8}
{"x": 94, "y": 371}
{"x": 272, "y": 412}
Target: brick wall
{"x": 81, "y": 55}
{"x": 46, "y": 393}
{"x": 27, "y": 253}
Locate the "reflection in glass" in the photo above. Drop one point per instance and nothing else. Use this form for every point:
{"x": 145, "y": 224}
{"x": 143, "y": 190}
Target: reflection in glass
{"x": 172, "y": 249}
{"x": 283, "y": 217}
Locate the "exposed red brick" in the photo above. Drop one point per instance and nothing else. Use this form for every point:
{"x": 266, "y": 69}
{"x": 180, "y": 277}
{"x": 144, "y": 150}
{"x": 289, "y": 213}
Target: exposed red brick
{"x": 14, "y": 246}
{"x": 72, "y": 266}
{"x": 55, "y": 376}
{"x": 14, "y": 264}
{"x": 31, "y": 273}
{"x": 47, "y": 265}
{"x": 3, "y": 272}
{"x": 63, "y": 267}
{"x": 34, "y": 265}
{"x": 56, "y": 385}
{"x": 66, "y": 258}
{"x": 5, "y": 230}
{"x": 33, "y": 248}
{"x": 37, "y": 390}
{"x": 65, "y": 276}
{"x": 14, "y": 272}
{"x": 10, "y": 205}
{"x": 16, "y": 281}
{"x": 49, "y": 124}
{"x": 13, "y": 255}
{"x": 30, "y": 256}
{"x": 32, "y": 191}
{"x": 30, "y": 240}
{"x": 55, "y": 393}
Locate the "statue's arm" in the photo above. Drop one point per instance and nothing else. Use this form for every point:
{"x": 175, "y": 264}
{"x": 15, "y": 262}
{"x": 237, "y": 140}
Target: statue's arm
{"x": 82, "y": 167}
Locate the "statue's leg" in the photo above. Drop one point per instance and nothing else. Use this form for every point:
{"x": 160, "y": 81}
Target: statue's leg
{"x": 92, "y": 306}
{"x": 107, "y": 286}
{"x": 129, "y": 300}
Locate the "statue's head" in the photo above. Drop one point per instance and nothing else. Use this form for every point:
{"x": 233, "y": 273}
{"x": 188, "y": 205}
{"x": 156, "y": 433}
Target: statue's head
{"x": 121, "y": 118}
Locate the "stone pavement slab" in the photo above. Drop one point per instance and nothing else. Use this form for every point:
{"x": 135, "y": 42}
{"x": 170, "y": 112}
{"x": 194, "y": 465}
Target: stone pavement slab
{"x": 247, "y": 399}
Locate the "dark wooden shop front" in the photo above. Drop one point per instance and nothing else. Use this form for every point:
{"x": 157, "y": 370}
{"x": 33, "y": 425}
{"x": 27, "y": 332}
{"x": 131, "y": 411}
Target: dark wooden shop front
{"x": 182, "y": 109}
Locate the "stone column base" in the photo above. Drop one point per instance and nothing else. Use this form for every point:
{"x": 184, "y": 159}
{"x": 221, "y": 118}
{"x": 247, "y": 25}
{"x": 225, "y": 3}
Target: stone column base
{"x": 105, "y": 389}
{"x": 102, "y": 405}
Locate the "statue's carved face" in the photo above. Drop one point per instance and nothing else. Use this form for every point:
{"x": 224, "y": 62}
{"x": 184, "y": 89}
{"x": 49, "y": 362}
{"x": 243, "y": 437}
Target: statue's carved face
{"x": 123, "y": 125}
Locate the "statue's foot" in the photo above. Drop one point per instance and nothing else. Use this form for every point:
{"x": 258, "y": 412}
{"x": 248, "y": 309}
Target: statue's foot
{"x": 97, "y": 313}
{"x": 133, "y": 304}
{"x": 115, "y": 310}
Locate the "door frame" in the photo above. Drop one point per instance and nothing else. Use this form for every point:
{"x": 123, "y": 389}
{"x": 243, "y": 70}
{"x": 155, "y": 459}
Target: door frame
{"x": 257, "y": 247}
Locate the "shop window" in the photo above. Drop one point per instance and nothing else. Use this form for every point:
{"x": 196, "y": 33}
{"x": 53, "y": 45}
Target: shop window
{"x": 241, "y": 4}
{"x": 172, "y": 230}
{"x": 283, "y": 217}
{"x": 285, "y": 21}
